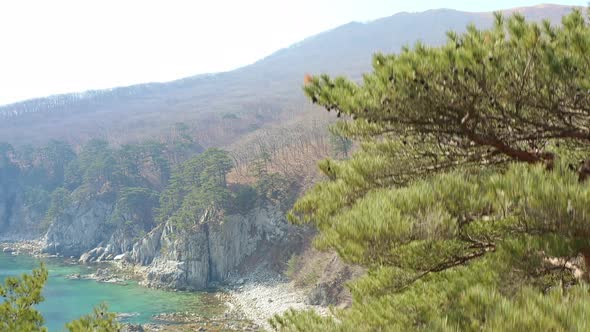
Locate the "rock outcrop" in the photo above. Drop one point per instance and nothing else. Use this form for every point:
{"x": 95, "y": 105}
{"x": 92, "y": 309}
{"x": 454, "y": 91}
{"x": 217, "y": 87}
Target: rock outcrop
{"x": 206, "y": 253}
{"x": 195, "y": 257}
{"x": 18, "y": 222}
{"x": 84, "y": 231}
{"x": 82, "y": 227}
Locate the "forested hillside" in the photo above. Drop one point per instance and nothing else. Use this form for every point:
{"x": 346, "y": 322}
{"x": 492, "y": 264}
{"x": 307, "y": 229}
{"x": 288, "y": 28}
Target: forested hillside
{"x": 49, "y": 178}
{"x": 146, "y": 183}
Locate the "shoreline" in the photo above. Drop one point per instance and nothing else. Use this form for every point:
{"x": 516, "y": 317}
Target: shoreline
{"x": 19, "y": 247}
{"x": 251, "y": 300}
{"x": 265, "y": 295}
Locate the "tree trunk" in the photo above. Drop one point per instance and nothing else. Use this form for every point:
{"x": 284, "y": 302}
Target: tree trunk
{"x": 584, "y": 171}
{"x": 586, "y": 254}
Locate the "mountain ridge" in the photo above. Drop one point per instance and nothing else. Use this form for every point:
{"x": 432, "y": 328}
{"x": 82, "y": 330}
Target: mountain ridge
{"x": 267, "y": 87}
{"x": 543, "y": 6}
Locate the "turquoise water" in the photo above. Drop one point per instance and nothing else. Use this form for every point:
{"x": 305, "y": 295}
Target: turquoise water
{"x": 67, "y": 299}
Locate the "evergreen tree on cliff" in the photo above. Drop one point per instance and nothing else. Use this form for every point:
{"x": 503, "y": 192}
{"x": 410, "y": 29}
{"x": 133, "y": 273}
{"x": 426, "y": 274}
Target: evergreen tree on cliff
{"x": 467, "y": 200}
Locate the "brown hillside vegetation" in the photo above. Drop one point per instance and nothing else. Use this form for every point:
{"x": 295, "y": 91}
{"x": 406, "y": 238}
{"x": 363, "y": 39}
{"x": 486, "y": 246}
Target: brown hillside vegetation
{"x": 219, "y": 108}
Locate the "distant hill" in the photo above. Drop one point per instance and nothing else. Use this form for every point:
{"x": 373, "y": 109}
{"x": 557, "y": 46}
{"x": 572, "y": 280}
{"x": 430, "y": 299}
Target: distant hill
{"x": 220, "y": 107}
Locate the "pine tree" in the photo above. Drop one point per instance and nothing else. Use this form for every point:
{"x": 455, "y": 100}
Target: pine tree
{"x": 20, "y": 295}
{"x": 464, "y": 201}
{"x": 100, "y": 320}
{"x": 18, "y": 313}
{"x": 198, "y": 184}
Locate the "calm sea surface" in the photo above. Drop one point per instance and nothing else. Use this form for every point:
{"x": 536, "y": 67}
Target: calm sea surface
{"x": 67, "y": 299}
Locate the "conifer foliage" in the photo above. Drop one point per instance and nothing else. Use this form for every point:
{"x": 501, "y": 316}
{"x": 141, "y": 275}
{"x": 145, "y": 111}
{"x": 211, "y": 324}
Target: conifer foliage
{"x": 18, "y": 312}
{"x": 466, "y": 201}
{"x": 20, "y": 295}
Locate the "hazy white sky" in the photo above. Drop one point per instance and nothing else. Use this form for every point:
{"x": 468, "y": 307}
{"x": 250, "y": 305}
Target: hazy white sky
{"x": 57, "y": 46}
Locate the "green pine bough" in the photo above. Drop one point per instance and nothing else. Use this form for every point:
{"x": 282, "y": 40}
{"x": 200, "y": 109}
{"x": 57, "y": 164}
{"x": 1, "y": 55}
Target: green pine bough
{"x": 18, "y": 312}
{"x": 466, "y": 201}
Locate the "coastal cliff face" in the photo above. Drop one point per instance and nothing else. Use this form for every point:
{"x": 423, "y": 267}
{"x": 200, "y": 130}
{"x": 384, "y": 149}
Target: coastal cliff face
{"x": 201, "y": 256}
{"x": 184, "y": 230}
{"x": 80, "y": 228}
{"x": 17, "y": 220}
{"x": 20, "y": 218}
{"x": 205, "y": 254}
{"x": 84, "y": 230}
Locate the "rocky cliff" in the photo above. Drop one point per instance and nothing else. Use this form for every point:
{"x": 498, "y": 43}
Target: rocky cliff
{"x": 101, "y": 214}
{"x": 18, "y": 221}
{"x": 80, "y": 228}
{"x": 205, "y": 254}
{"x": 195, "y": 258}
